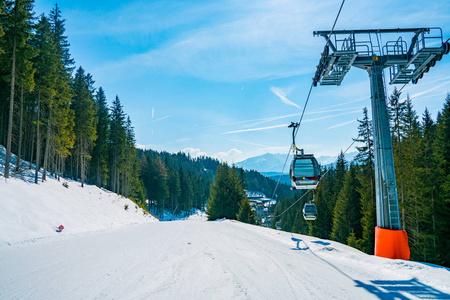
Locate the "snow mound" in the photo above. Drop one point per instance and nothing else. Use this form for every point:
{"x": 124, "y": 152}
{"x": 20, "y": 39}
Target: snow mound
{"x": 30, "y": 211}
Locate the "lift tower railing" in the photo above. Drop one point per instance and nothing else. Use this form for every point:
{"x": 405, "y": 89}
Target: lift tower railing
{"x": 406, "y": 62}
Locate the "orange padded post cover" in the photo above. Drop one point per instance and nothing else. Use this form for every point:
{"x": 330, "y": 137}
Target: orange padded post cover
{"x": 391, "y": 243}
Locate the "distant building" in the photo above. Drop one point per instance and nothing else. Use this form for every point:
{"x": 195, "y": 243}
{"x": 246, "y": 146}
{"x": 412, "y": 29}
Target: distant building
{"x": 262, "y": 205}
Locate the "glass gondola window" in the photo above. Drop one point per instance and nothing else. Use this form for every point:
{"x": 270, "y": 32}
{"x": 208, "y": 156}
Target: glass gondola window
{"x": 304, "y": 168}
{"x": 309, "y": 211}
{"x": 305, "y": 172}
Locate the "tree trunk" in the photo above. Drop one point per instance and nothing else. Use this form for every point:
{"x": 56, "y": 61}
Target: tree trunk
{"x": 19, "y": 150}
{"x": 38, "y": 138}
{"x": 31, "y": 147}
{"x": 98, "y": 174}
{"x": 47, "y": 143}
{"x": 11, "y": 111}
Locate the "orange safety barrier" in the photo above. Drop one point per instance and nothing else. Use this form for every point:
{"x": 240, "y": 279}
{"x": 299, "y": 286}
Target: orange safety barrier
{"x": 391, "y": 243}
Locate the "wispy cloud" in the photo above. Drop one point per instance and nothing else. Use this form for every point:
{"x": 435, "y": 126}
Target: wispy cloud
{"x": 341, "y": 124}
{"x": 324, "y": 109}
{"x": 331, "y": 116}
{"x": 249, "y": 143}
{"x": 265, "y": 148}
{"x": 285, "y": 125}
{"x": 334, "y": 110}
{"x": 229, "y": 40}
{"x": 282, "y": 95}
{"x": 160, "y": 119}
{"x": 242, "y": 41}
{"x": 419, "y": 94}
{"x": 256, "y": 129}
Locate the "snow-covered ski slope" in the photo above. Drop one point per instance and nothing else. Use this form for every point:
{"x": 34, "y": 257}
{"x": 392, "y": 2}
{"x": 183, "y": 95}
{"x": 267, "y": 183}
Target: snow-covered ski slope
{"x": 106, "y": 252}
{"x": 208, "y": 260}
{"x": 30, "y": 211}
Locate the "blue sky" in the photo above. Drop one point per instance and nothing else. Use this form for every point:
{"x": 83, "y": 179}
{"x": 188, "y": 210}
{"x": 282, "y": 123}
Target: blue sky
{"x": 225, "y": 78}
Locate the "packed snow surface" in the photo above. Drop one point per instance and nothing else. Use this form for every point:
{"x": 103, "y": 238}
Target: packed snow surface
{"x": 107, "y": 252}
{"x": 208, "y": 260}
{"x": 31, "y": 211}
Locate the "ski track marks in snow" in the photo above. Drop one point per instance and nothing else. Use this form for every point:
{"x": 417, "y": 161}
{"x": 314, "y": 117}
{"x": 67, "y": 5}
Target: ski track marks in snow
{"x": 208, "y": 260}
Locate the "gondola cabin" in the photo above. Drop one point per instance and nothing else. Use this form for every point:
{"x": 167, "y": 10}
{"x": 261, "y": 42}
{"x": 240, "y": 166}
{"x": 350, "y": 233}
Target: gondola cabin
{"x": 309, "y": 211}
{"x": 304, "y": 172}
{"x": 278, "y": 225}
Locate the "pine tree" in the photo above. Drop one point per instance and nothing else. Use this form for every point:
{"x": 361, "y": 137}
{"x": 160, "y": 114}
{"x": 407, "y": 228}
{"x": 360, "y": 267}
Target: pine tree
{"x": 396, "y": 111}
{"x": 321, "y": 227}
{"x": 236, "y": 193}
{"x": 99, "y": 162}
{"x": 426, "y": 171}
{"x": 414, "y": 208}
{"x": 347, "y": 212}
{"x": 17, "y": 33}
{"x": 85, "y": 121}
{"x": 174, "y": 190}
{"x": 146, "y": 176}
{"x": 58, "y": 29}
{"x": 442, "y": 204}
{"x": 365, "y": 158}
{"x": 365, "y": 154}
{"x": 117, "y": 140}
{"x": 25, "y": 84}
{"x": 225, "y": 195}
{"x": 160, "y": 190}
{"x": 341, "y": 170}
{"x": 2, "y": 17}
{"x": 45, "y": 78}
{"x": 218, "y": 194}
{"x": 246, "y": 214}
{"x": 63, "y": 130}
{"x": 132, "y": 185}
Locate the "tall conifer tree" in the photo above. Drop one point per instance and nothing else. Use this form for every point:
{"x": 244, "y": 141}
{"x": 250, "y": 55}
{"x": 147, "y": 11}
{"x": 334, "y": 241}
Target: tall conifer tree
{"x": 18, "y": 31}
{"x": 85, "y": 121}
{"x": 347, "y": 216}
{"x": 442, "y": 157}
{"x": 225, "y": 195}
{"x": 117, "y": 142}
{"x": 99, "y": 162}
{"x": 45, "y": 78}
{"x": 365, "y": 158}
{"x": 63, "y": 131}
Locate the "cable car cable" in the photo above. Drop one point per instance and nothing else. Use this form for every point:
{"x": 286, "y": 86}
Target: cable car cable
{"x": 279, "y": 178}
{"x": 354, "y": 140}
{"x": 312, "y": 84}
{"x": 307, "y": 100}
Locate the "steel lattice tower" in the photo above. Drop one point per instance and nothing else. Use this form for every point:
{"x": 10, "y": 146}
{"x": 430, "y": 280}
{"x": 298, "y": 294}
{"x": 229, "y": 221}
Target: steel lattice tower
{"x": 364, "y": 49}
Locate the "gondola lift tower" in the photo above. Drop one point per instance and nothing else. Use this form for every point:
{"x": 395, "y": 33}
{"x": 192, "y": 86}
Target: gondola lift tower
{"x": 407, "y": 62}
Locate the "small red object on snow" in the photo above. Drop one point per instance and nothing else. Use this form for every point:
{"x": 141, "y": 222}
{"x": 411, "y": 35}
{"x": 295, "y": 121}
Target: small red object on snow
{"x": 60, "y": 228}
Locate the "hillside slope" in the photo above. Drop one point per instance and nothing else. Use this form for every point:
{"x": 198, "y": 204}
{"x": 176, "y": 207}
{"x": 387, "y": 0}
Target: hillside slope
{"x": 31, "y": 211}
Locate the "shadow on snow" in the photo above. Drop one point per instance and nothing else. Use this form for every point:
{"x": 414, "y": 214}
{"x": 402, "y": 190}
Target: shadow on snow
{"x": 385, "y": 289}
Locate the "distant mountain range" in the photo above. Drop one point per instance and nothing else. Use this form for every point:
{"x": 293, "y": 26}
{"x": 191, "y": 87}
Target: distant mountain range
{"x": 271, "y": 164}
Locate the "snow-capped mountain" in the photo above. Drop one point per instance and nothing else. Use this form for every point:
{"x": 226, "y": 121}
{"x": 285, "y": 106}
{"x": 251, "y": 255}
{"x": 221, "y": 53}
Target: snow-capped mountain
{"x": 272, "y": 164}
